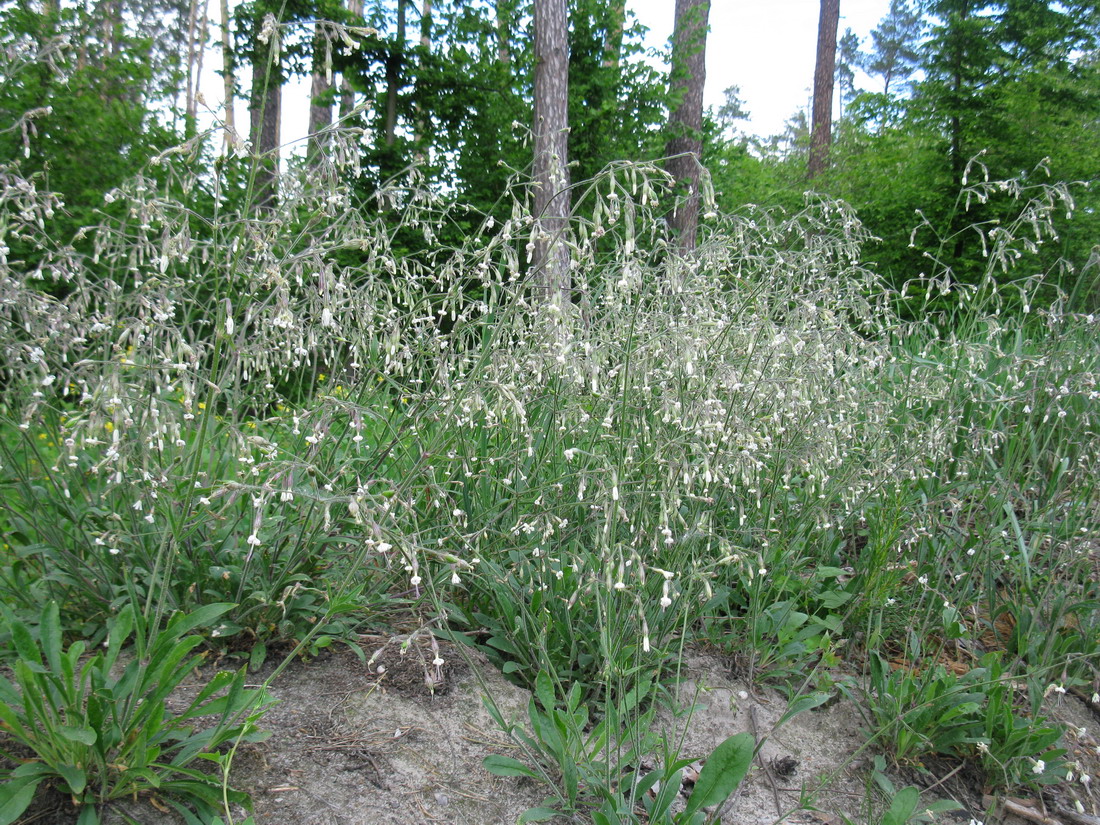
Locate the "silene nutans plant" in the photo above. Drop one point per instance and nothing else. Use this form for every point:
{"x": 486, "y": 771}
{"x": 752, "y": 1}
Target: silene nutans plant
{"x": 258, "y": 424}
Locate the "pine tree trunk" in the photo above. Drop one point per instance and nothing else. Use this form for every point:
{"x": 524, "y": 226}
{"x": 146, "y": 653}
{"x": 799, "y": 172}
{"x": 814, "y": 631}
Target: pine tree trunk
{"x": 504, "y": 30}
{"x": 821, "y": 135}
{"x": 204, "y": 37}
{"x": 192, "y": 78}
{"x": 347, "y": 94}
{"x": 685, "y": 147}
{"x": 228, "y": 78}
{"x": 613, "y": 41}
{"x": 264, "y": 106}
{"x": 394, "y": 62}
{"x": 551, "y": 175}
{"x": 425, "y": 46}
{"x": 320, "y": 105}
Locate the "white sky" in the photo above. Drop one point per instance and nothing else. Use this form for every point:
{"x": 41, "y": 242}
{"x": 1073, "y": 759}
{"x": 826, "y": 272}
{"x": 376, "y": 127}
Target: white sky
{"x": 767, "y": 47}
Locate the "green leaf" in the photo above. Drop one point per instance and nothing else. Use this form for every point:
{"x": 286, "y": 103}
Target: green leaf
{"x": 832, "y": 599}
{"x": 259, "y": 654}
{"x": 494, "y": 713}
{"x": 511, "y": 667}
{"x": 502, "y": 643}
{"x": 74, "y": 777}
{"x": 537, "y": 815}
{"x": 544, "y": 689}
{"x": 722, "y": 773}
{"x": 666, "y": 795}
{"x": 902, "y": 807}
{"x": 180, "y": 624}
{"x": 804, "y": 703}
{"x": 49, "y": 634}
{"x": 25, "y": 646}
{"x": 506, "y": 766}
{"x": 118, "y": 633}
{"x": 15, "y": 795}
{"x": 85, "y": 736}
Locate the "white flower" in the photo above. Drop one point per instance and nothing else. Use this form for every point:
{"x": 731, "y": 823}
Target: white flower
{"x": 253, "y": 540}
{"x": 1038, "y": 766}
{"x": 437, "y": 661}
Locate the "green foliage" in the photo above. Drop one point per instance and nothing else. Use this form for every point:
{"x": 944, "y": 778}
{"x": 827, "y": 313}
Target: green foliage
{"x": 94, "y": 551}
{"x": 81, "y": 124}
{"x": 939, "y": 712}
{"x": 572, "y": 757}
{"x": 904, "y": 804}
{"x": 100, "y": 726}
{"x": 1011, "y": 85}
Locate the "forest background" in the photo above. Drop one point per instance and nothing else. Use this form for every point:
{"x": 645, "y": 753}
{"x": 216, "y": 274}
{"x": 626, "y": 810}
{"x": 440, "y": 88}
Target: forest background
{"x": 449, "y": 87}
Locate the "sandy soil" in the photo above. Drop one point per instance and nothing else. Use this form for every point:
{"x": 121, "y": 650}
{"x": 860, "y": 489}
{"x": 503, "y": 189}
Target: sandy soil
{"x": 359, "y": 745}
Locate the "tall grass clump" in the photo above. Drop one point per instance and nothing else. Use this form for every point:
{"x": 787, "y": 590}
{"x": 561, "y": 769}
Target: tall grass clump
{"x": 311, "y": 412}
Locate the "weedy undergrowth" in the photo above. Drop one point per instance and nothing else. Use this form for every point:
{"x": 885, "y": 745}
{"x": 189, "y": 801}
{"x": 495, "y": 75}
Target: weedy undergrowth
{"x": 100, "y": 728}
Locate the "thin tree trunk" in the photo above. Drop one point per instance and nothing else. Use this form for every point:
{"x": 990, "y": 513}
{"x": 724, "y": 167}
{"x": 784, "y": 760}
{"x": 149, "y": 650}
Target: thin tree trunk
{"x": 958, "y": 161}
{"x": 551, "y": 173}
{"x": 425, "y": 46}
{"x": 265, "y": 105}
{"x": 320, "y": 105}
{"x": 394, "y": 62}
{"x": 192, "y": 79}
{"x": 228, "y": 78}
{"x": 204, "y": 36}
{"x": 347, "y": 94}
{"x": 613, "y": 41}
{"x": 685, "y": 147}
{"x": 821, "y": 135}
{"x": 504, "y": 31}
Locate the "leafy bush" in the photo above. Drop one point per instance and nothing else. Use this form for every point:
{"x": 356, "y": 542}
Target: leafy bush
{"x": 939, "y": 712}
{"x": 100, "y": 727}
